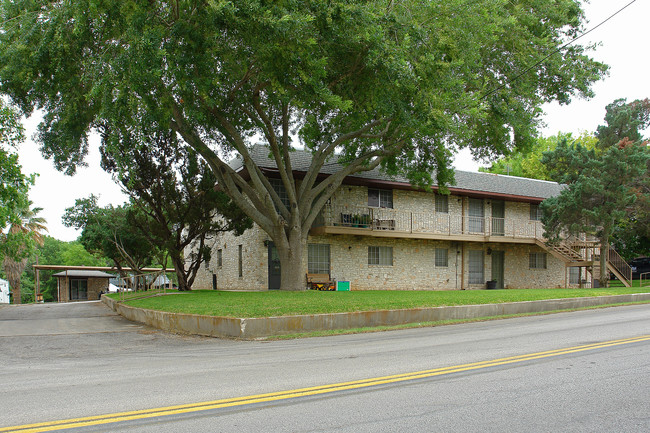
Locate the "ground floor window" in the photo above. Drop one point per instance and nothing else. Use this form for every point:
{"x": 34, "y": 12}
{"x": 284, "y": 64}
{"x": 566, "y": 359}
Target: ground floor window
{"x": 574, "y": 275}
{"x": 537, "y": 261}
{"x": 441, "y": 260}
{"x": 476, "y": 271}
{"x": 318, "y": 258}
{"x": 241, "y": 261}
{"x": 78, "y": 289}
{"x": 382, "y": 256}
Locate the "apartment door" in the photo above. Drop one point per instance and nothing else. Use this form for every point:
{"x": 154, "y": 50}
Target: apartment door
{"x": 498, "y": 259}
{"x": 274, "y": 268}
{"x": 498, "y": 217}
{"x": 476, "y": 215}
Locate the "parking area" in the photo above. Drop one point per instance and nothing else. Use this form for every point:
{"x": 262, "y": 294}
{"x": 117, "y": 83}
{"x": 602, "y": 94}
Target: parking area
{"x": 61, "y": 319}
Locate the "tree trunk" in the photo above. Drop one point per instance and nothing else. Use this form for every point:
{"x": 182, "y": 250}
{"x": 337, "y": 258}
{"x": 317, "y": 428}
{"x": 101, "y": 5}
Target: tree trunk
{"x": 179, "y": 268}
{"x": 604, "y": 254}
{"x": 290, "y": 251}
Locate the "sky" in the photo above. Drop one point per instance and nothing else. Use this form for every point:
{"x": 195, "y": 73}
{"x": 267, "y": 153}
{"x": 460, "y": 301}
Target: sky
{"x": 625, "y": 47}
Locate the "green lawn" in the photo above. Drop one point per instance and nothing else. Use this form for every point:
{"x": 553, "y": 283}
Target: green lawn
{"x": 277, "y": 303}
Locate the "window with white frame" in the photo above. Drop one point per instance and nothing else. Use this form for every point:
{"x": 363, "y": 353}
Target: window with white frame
{"x": 442, "y": 255}
{"x": 476, "y": 268}
{"x": 380, "y": 198}
{"x": 442, "y": 203}
{"x": 535, "y": 212}
{"x": 537, "y": 260}
{"x": 382, "y": 256}
{"x": 318, "y": 258}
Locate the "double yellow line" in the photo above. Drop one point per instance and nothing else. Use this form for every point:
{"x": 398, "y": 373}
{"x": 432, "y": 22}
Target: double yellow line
{"x": 303, "y": 392}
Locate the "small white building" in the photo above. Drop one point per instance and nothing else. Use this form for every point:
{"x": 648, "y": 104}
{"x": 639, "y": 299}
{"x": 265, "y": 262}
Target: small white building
{"x": 4, "y": 291}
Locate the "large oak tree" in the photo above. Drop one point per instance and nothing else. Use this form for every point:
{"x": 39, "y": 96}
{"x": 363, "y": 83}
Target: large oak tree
{"x": 392, "y": 84}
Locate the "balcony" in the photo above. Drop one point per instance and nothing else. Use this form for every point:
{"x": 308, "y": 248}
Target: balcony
{"x": 383, "y": 222}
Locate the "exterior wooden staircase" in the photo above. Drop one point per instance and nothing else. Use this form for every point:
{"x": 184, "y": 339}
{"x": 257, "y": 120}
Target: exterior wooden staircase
{"x": 586, "y": 254}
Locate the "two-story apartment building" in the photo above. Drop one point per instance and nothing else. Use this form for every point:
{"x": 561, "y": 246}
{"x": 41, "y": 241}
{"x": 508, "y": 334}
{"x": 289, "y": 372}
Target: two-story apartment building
{"x": 381, "y": 233}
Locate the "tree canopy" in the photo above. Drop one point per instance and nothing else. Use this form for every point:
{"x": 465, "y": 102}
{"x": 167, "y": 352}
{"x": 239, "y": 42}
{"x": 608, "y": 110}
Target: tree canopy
{"x": 599, "y": 191}
{"x": 110, "y": 232}
{"x": 397, "y": 85}
{"x": 14, "y": 185}
{"x": 527, "y": 162}
{"x": 179, "y": 209}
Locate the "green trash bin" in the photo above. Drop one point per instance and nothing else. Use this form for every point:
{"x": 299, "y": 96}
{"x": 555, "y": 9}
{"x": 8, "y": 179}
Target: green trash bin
{"x": 342, "y": 286}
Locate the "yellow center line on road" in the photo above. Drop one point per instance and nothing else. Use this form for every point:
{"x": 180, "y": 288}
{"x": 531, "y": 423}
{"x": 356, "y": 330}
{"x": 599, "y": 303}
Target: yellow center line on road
{"x": 304, "y": 392}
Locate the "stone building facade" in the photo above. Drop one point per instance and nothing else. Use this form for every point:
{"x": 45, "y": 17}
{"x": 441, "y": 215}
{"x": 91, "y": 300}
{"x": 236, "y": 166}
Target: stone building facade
{"x": 384, "y": 234}
{"x": 81, "y": 285}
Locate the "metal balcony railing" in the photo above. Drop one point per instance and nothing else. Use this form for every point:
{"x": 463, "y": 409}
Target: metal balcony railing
{"x": 372, "y": 218}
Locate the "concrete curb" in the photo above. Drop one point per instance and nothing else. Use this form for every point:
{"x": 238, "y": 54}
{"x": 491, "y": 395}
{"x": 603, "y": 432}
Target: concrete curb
{"x": 251, "y": 328}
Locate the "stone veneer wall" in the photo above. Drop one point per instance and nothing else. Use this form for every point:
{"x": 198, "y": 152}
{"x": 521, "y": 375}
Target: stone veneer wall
{"x": 254, "y": 265}
{"x": 413, "y": 260}
{"x": 95, "y": 285}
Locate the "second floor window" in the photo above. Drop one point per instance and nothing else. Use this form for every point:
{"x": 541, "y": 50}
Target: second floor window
{"x": 442, "y": 203}
{"x": 535, "y": 212}
{"x": 380, "y": 198}
{"x": 279, "y": 188}
{"x": 219, "y": 257}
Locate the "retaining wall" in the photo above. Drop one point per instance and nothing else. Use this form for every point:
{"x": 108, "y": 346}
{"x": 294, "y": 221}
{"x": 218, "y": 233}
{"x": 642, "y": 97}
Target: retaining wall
{"x": 251, "y": 328}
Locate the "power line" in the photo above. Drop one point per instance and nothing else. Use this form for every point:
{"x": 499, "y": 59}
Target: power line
{"x": 557, "y": 50}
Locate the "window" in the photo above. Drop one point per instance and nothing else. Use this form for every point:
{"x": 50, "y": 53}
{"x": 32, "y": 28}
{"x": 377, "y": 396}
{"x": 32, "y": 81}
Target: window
{"x": 535, "y": 212}
{"x": 442, "y": 203}
{"x": 476, "y": 267}
{"x": 241, "y": 259}
{"x": 382, "y": 256}
{"x": 318, "y": 258}
{"x": 574, "y": 275}
{"x": 380, "y": 198}
{"x": 441, "y": 257}
{"x": 279, "y": 188}
{"x": 476, "y": 215}
{"x": 219, "y": 257}
{"x": 537, "y": 261}
{"x": 78, "y": 289}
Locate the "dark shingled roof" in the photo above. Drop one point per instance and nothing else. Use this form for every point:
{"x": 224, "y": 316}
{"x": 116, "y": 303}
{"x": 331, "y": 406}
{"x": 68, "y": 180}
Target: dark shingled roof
{"x": 84, "y": 274}
{"x": 469, "y": 182}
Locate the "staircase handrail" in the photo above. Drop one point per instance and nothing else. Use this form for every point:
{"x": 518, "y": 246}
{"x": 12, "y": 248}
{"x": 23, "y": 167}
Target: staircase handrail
{"x": 619, "y": 264}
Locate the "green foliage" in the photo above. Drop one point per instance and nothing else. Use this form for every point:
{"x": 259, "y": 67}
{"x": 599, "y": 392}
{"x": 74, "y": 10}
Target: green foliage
{"x": 56, "y": 252}
{"x": 528, "y": 164}
{"x": 598, "y": 187}
{"x": 14, "y": 185}
{"x": 174, "y": 192}
{"x": 19, "y": 244}
{"x": 110, "y": 232}
{"x": 624, "y": 121}
{"x": 598, "y": 193}
{"x": 398, "y": 85}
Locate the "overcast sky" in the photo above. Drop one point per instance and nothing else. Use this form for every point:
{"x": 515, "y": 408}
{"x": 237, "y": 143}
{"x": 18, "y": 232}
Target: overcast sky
{"x": 625, "y": 48}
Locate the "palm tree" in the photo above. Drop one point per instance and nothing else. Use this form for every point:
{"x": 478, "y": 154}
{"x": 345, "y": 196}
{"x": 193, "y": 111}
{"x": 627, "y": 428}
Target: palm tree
{"x": 23, "y": 235}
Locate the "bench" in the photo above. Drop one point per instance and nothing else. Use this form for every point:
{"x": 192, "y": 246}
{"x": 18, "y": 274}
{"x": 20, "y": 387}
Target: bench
{"x": 320, "y": 282}
{"x": 384, "y": 224}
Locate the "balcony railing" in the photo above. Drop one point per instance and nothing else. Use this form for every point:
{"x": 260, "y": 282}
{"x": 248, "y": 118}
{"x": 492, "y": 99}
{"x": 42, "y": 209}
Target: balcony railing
{"x": 371, "y": 219}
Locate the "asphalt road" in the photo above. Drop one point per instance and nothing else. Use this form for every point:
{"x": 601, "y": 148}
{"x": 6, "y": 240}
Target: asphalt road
{"x": 79, "y": 360}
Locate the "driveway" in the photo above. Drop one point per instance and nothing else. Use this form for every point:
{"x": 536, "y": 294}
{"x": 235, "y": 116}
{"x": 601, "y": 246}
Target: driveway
{"x": 61, "y": 319}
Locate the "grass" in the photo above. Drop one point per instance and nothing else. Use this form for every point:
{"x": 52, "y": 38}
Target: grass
{"x": 278, "y": 303}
